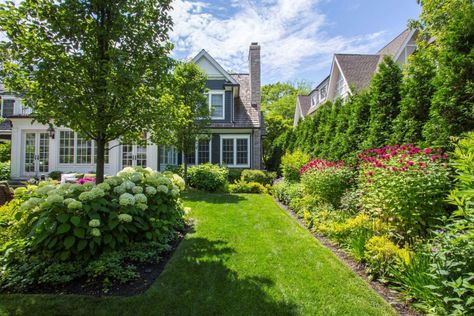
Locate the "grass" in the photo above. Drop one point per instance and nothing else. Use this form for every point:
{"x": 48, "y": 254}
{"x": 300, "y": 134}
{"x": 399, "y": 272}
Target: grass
{"x": 246, "y": 256}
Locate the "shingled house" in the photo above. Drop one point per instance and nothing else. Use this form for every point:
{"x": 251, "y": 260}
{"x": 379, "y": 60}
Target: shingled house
{"x": 235, "y": 141}
{"x": 353, "y": 72}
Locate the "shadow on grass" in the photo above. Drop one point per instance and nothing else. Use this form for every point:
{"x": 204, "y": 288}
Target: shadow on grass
{"x": 214, "y": 198}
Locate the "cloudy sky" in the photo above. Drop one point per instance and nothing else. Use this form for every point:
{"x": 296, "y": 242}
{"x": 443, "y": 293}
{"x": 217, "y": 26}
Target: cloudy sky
{"x": 298, "y": 37}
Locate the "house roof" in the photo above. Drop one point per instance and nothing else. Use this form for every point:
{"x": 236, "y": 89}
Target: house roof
{"x": 323, "y": 82}
{"x": 357, "y": 69}
{"x": 204, "y": 54}
{"x": 305, "y": 104}
{"x": 394, "y": 46}
{"x": 245, "y": 115}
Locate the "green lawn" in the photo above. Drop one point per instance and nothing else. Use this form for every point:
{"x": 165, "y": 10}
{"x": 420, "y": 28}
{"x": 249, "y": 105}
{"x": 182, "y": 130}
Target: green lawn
{"x": 245, "y": 256}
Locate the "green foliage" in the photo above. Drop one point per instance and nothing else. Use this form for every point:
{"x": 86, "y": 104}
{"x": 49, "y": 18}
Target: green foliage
{"x": 329, "y": 184}
{"x": 55, "y": 175}
{"x": 101, "y": 74}
{"x": 287, "y": 192}
{"x": 208, "y": 177}
{"x": 5, "y": 151}
{"x": 259, "y": 176}
{"x": 5, "y": 170}
{"x": 381, "y": 253}
{"x": 291, "y": 164}
{"x": 384, "y": 99}
{"x": 247, "y": 187}
{"x": 235, "y": 174}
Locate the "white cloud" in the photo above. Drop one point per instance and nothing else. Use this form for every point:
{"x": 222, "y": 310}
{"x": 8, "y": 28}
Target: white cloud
{"x": 291, "y": 33}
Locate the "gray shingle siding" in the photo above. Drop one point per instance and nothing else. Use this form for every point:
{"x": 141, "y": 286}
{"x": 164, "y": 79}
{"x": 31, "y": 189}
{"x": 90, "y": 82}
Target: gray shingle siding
{"x": 215, "y": 152}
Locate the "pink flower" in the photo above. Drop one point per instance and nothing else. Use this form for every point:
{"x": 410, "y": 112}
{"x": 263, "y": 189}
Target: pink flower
{"x": 434, "y": 157}
{"x": 427, "y": 151}
{"x": 411, "y": 163}
{"x": 370, "y": 173}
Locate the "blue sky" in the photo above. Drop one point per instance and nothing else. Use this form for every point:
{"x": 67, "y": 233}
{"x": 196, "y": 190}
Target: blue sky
{"x": 298, "y": 37}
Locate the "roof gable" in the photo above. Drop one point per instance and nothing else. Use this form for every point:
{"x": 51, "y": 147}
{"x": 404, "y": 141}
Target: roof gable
{"x": 211, "y": 67}
{"x": 396, "y": 46}
{"x": 357, "y": 70}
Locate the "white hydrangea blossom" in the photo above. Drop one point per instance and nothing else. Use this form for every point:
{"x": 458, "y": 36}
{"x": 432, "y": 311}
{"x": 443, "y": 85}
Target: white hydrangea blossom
{"x": 174, "y": 192}
{"x": 137, "y": 190}
{"x": 103, "y": 186}
{"x": 142, "y": 206}
{"x": 126, "y": 199}
{"x": 126, "y": 218}
{"x": 128, "y": 185}
{"x": 150, "y": 190}
{"x": 120, "y": 189}
{"x": 86, "y": 196}
{"x": 45, "y": 189}
{"x": 30, "y": 204}
{"x": 94, "y": 223}
{"x": 95, "y": 232}
{"x": 67, "y": 201}
{"x": 162, "y": 188}
{"x": 179, "y": 182}
{"x": 140, "y": 198}
{"x": 97, "y": 193}
{"x": 88, "y": 185}
{"x": 54, "y": 199}
{"x": 74, "y": 205}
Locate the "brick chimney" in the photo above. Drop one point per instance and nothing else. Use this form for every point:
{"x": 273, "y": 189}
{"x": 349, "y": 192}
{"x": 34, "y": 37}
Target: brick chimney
{"x": 254, "y": 69}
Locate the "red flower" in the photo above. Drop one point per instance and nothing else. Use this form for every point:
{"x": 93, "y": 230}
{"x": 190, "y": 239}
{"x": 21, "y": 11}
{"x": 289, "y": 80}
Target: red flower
{"x": 427, "y": 151}
{"x": 411, "y": 163}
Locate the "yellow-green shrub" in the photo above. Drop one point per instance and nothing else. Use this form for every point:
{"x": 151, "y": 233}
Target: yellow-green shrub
{"x": 381, "y": 253}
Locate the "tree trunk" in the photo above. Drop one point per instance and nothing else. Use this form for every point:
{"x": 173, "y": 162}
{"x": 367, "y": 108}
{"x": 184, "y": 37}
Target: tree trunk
{"x": 100, "y": 161}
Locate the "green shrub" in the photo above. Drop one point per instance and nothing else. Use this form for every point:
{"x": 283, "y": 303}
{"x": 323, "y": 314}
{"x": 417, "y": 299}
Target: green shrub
{"x": 405, "y": 186}
{"x": 291, "y": 164}
{"x": 55, "y": 175}
{"x": 327, "y": 180}
{"x": 260, "y": 176}
{"x": 247, "y": 187}
{"x": 5, "y": 151}
{"x": 234, "y": 174}
{"x": 208, "y": 177}
{"x": 5, "y": 170}
{"x": 177, "y": 169}
{"x": 452, "y": 271}
{"x": 381, "y": 253}
{"x": 286, "y": 192}
{"x": 80, "y": 222}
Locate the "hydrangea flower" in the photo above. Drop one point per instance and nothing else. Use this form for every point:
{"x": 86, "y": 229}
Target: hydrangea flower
{"x": 150, "y": 190}
{"x": 137, "y": 190}
{"x": 128, "y": 185}
{"x": 45, "y": 189}
{"x": 30, "y": 204}
{"x": 140, "y": 198}
{"x": 97, "y": 193}
{"x": 162, "y": 188}
{"x": 68, "y": 200}
{"x": 86, "y": 196}
{"x": 174, "y": 192}
{"x": 95, "y": 232}
{"x": 74, "y": 205}
{"x": 136, "y": 177}
{"x": 142, "y": 206}
{"x": 103, "y": 186}
{"x": 179, "y": 182}
{"x": 126, "y": 199}
{"x": 94, "y": 223}
{"x": 54, "y": 199}
{"x": 126, "y": 218}
{"x": 120, "y": 189}
{"x": 88, "y": 185}
{"x": 113, "y": 181}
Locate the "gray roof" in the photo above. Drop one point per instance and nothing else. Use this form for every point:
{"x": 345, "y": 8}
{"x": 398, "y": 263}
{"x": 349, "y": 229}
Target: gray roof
{"x": 305, "y": 103}
{"x": 358, "y": 69}
{"x": 245, "y": 116}
{"x": 396, "y": 44}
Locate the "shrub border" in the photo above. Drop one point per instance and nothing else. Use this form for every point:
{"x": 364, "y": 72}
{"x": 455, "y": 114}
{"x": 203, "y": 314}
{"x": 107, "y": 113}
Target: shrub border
{"x": 393, "y": 298}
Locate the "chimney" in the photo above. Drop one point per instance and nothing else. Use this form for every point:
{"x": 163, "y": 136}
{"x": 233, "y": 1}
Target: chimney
{"x": 254, "y": 69}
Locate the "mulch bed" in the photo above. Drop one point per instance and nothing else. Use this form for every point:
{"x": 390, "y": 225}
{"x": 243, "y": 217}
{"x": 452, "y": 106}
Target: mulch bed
{"x": 149, "y": 272}
{"x": 392, "y": 297}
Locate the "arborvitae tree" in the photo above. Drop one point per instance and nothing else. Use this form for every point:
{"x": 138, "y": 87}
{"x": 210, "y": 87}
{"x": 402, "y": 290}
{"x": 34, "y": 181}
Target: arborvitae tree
{"x": 324, "y": 113}
{"x": 330, "y": 127}
{"x": 384, "y": 102}
{"x": 451, "y": 24}
{"x": 359, "y": 118}
{"x": 338, "y": 147}
{"x": 417, "y": 92}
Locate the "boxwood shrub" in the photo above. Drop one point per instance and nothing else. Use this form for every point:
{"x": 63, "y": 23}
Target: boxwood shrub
{"x": 259, "y": 176}
{"x": 208, "y": 177}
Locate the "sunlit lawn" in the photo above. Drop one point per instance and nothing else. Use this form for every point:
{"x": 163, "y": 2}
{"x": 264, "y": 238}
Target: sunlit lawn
{"x": 245, "y": 256}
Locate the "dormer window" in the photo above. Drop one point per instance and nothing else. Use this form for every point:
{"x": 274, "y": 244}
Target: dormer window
{"x": 216, "y": 101}
{"x": 314, "y": 99}
{"x": 323, "y": 93}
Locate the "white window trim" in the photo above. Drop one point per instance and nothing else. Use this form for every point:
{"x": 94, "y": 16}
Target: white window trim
{"x": 196, "y": 153}
{"x": 3, "y": 98}
{"x": 216, "y": 92}
{"x": 161, "y": 154}
{"x": 75, "y": 163}
{"x": 340, "y": 85}
{"x": 235, "y": 137}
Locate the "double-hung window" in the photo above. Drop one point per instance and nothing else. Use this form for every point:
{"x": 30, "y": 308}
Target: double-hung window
{"x": 201, "y": 153}
{"x": 74, "y": 149}
{"x": 340, "y": 86}
{"x": 7, "y": 107}
{"x": 216, "y": 100}
{"x": 235, "y": 151}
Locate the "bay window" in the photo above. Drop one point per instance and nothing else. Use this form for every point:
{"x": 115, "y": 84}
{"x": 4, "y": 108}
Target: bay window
{"x": 235, "y": 150}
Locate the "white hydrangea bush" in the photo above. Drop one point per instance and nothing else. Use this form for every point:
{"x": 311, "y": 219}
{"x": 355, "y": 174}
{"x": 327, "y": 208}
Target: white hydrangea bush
{"x": 84, "y": 220}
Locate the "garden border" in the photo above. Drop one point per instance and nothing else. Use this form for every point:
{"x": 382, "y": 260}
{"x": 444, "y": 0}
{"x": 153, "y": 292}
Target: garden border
{"x": 392, "y": 297}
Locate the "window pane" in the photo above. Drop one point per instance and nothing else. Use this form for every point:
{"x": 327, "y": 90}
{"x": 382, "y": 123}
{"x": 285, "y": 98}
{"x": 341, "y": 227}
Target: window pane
{"x": 217, "y": 105}
{"x": 141, "y": 156}
{"x": 191, "y": 159}
{"x": 203, "y": 151}
{"x": 228, "y": 151}
{"x": 8, "y": 107}
{"x": 66, "y": 147}
{"x": 242, "y": 151}
{"x": 127, "y": 156}
{"x": 30, "y": 150}
{"x": 84, "y": 150}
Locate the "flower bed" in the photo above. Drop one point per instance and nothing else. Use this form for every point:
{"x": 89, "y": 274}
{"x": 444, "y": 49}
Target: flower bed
{"x": 89, "y": 230}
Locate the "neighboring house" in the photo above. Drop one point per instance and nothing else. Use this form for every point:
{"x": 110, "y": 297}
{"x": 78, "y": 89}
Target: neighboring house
{"x": 351, "y": 73}
{"x": 235, "y": 141}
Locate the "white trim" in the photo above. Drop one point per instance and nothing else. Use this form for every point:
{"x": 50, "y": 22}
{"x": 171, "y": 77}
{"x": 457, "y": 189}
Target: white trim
{"x": 196, "y": 153}
{"x": 210, "y": 93}
{"x": 405, "y": 43}
{"x": 75, "y": 163}
{"x": 235, "y": 137}
{"x": 204, "y": 54}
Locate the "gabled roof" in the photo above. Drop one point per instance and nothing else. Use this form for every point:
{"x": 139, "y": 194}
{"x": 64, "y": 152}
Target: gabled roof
{"x": 215, "y": 64}
{"x": 304, "y": 102}
{"x": 357, "y": 69}
{"x": 393, "y": 47}
{"x": 322, "y": 83}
